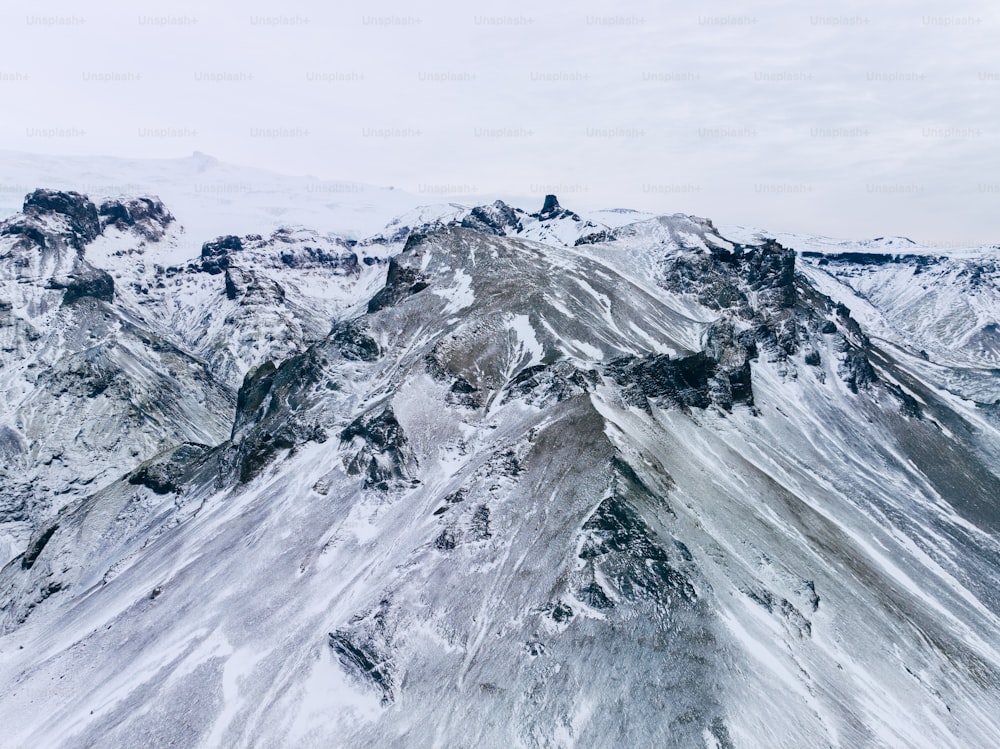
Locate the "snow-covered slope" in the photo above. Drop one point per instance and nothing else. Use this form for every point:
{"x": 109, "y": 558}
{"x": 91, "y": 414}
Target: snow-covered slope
{"x": 543, "y": 480}
{"x": 940, "y": 305}
{"x": 87, "y": 389}
{"x": 114, "y": 350}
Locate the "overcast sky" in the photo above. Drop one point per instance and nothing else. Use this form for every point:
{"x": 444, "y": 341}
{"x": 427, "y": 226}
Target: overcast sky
{"x": 836, "y": 118}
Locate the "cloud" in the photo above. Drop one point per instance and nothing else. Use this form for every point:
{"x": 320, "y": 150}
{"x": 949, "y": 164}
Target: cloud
{"x": 837, "y": 118}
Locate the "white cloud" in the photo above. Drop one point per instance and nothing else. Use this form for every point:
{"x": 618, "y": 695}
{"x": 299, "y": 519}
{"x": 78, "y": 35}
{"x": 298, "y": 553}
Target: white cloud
{"x": 838, "y": 118}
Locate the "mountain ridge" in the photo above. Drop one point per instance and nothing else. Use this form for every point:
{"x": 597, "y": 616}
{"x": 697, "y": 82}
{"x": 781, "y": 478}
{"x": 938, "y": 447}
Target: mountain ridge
{"x": 536, "y": 482}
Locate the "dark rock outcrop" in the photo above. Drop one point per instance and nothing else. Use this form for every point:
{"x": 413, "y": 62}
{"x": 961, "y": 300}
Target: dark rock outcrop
{"x": 617, "y": 540}
{"x": 359, "y": 660}
{"x": 722, "y": 279}
{"x": 165, "y": 474}
{"x": 364, "y": 649}
{"x": 596, "y": 237}
{"x": 695, "y": 381}
{"x": 353, "y": 342}
{"x": 874, "y": 259}
{"x": 544, "y": 383}
{"x": 36, "y": 546}
{"x": 400, "y": 282}
{"x": 221, "y": 246}
{"x": 147, "y": 217}
{"x": 552, "y": 210}
{"x": 257, "y": 384}
{"x": 21, "y": 228}
{"x": 463, "y": 393}
{"x": 79, "y": 212}
{"x": 248, "y": 288}
{"x": 381, "y": 456}
{"x": 316, "y": 257}
{"x": 271, "y": 412}
{"x": 215, "y": 254}
{"x": 682, "y": 383}
{"x": 770, "y": 269}
{"x": 498, "y": 219}
{"x": 783, "y": 608}
{"x": 857, "y": 370}
{"x": 85, "y": 282}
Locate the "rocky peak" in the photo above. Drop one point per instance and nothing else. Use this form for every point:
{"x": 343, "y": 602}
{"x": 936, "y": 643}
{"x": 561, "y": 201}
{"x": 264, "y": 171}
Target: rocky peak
{"x": 215, "y": 254}
{"x": 552, "y": 210}
{"x": 147, "y": 216}
{"x": 771, "y": 268}
{"x": 221, "y": 246}
{"x": 77, "y": 225}
{"x": 499, "y": 219}
{"x": 78, "y": 211}
{"x": 726, "y": 279}
{"x": 550, "y": 207}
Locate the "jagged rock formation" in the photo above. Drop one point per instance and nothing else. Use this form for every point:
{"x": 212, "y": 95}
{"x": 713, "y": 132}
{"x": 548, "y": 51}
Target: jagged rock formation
{"x": 539, "y": 481}
{"x": 146, "y": 217}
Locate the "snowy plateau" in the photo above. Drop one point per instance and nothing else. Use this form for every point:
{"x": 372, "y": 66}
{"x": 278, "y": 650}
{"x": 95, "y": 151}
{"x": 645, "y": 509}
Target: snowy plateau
{"x": 295, "y": 463}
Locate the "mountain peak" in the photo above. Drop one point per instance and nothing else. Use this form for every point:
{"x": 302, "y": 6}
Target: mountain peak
{"x": 578, "y": 480}
{"x": 550, "y": 207}
{"x": 77, "y": 209}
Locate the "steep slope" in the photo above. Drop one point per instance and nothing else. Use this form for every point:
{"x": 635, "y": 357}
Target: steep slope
{"x": 642, "y": 489}
{"x": 86, "y": 389}
{"x": 936, "y": 310}
{"x": 112, "y": 354}
{"x": 242, "y": 301}
{"x": 946, "y": 306}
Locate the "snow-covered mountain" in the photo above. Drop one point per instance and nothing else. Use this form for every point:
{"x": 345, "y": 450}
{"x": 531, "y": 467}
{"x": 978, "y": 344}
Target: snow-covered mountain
{"x": 487, "y": 476}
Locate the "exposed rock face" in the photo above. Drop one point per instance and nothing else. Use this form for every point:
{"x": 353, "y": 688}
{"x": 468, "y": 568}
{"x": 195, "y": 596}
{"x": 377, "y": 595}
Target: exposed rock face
{"x": 52, "y": 220}
{"x": 316, "y": 257}
{"x": 247, "y": 288}
{"x": 25, "y": 229}
{"x": 78, "y": 211}
{"x": 498, "y": 218}
{"x": 857, "y": 369}
{"x": 146, "y": 217}
{"x": 400, "y": 283}
{"x": 354, "y": 343}
{"x": 617, "y": 539}
{"x": 221, "y": 246}
{"x": 381, "y": 455}
{"x": 215, "y": 254}
{"x": 546, "y": 383}
{"x": 874, "y": 258}
{"x": 86, "y": 282}
{"x": 724, "y": 279}
{"x": 758, "y": 286}
{"x": 550, "y": 207}
{"x": 552, "y": 210}
{"x": 37, "y": 546}
{"x": 262, "y": 428}
{"x": 365, "y": 650}
{"x": 770, "y": 269}
{"x": 691, "y": 382}
{"x": 165, "y": 473}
